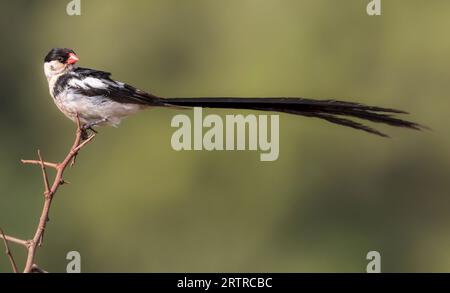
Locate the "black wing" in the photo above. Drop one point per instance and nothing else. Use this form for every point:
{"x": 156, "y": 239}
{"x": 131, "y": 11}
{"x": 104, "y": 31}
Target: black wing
{"x": 89, "y": 82}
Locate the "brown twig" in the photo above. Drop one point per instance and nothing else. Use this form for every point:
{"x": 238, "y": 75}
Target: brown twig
{"x": 8, "y": 252}
{"x": 49, "y": 193}
{"x": 46, "y": 164}
{"x": 14, "y": 240}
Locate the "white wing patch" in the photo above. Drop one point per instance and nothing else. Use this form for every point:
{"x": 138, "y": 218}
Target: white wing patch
{"x": 88, "y": 82}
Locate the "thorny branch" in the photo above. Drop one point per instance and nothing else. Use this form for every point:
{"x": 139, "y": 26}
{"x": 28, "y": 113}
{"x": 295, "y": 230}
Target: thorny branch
{"x": 8, "y": 252}
{"x": 50, "y": 190}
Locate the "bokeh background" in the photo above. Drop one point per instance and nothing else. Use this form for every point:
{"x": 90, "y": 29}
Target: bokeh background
{"x": 334, "y": 194}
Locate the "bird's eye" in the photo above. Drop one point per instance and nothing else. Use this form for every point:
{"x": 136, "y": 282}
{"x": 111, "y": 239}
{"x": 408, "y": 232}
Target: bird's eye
{"x": 61, "y": 59}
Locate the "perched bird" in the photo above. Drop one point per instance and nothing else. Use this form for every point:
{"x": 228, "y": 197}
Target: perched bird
{"x": 98, "y": 100}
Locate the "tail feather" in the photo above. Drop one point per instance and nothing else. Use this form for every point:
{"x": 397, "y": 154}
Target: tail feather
{"x": 344, "y": 122}
{"x": 334, "y": 111}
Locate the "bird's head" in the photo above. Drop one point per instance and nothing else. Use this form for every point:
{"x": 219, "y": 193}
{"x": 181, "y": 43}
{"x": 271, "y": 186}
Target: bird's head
{"x": 58, "y": 61}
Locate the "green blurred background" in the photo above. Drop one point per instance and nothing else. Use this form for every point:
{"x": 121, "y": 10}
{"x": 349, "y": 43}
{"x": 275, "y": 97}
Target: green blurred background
{"x": 334, "y": 194}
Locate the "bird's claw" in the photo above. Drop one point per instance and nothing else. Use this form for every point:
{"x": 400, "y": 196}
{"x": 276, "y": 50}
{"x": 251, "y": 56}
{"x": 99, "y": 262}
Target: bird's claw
{"x": 85, "y": 131}
{"x": 89, "y": 126}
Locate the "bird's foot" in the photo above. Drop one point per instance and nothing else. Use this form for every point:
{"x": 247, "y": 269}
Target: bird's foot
{"x": 85, "y": 132}
{"x": 89, "y": 126}
{"x": 94, "y": 123}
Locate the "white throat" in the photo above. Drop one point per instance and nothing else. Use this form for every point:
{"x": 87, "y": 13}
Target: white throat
{"x": 54, "y": 69}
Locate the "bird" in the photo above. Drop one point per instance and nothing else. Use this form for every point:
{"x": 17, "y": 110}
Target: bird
{"x": 95, "y": 99}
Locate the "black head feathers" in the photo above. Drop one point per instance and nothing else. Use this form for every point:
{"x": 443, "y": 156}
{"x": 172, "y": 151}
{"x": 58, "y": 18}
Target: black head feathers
{"x": 60, "y": 54}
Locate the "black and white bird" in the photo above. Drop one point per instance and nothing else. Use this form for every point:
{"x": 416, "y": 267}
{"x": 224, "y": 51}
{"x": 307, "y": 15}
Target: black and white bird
{"x": 98, "y": 100}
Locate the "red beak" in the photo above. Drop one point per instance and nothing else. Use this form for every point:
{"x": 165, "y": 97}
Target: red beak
{"x": 72, "y": 58}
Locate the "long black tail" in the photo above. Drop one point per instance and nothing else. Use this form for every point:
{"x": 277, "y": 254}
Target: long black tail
{"x": 333, "y": 111}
